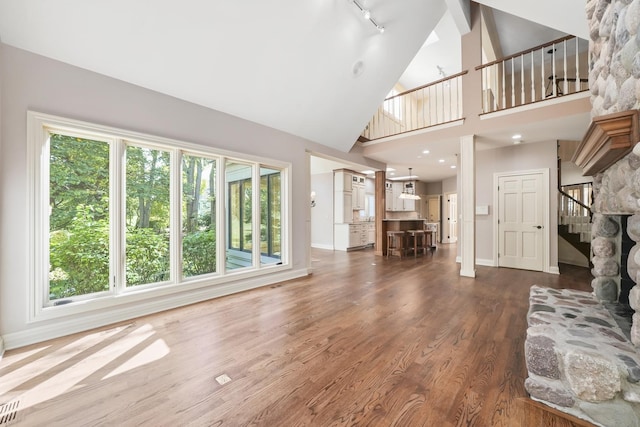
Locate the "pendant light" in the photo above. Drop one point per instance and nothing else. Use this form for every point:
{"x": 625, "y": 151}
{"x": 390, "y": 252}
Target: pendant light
{"x": 408, "y": 190}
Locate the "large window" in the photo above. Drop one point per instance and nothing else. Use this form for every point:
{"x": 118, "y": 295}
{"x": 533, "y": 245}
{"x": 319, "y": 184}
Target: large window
{"x": 270, "y": 215}
{"x": 78, "y": 217}
{"x": 116, "y": 212}
{"x": 198, "y": 215}
{"x": 147, "y": 216}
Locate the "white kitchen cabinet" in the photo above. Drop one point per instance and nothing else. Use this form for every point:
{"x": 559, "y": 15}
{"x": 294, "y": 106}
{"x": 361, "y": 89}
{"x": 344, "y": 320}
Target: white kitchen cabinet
{"x": 388, "y": 196}
{"x": 350, "y": 236}
{"x": 358, "y": 197}
{"x": 342, "y": 181}
{"x": 342, "y": 204}
{"x": 355, "y": 236}
{"x": 397, "y": 204}
{"x": 371, "y": 233}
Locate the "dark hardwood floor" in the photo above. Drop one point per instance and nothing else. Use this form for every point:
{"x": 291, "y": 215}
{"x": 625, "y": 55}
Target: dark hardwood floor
{"x": 364, "y": 341}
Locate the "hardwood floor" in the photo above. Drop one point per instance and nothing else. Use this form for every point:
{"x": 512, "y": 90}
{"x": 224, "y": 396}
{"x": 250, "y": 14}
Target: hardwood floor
{"x": 365, "y": 340}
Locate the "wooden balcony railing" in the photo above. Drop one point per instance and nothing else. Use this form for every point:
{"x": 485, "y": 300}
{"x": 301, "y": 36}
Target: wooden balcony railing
{"x": 544, "y": 72}
{"x": 547, "y": 71}
{"x": 429, "y": 105}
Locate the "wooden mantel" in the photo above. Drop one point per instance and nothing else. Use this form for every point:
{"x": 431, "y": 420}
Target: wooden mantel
{"x": 608, "y": 139}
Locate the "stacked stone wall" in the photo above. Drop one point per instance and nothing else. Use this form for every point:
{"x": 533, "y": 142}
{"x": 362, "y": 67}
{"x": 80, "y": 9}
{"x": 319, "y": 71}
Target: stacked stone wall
{"x": 614, "y": 78}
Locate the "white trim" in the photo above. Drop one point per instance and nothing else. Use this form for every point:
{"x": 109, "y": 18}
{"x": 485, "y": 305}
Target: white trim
{"x": 536, "y": 105}
{"x": 467, "y": 206}
{"x": 217, "y": 284}
{"x": 479, "y": 261}
{"x": 546, "y": 264}
{"x": 454, "y": 123}
{"x": 1, "y": 347}
{"x": 322, "y": 246}
{"x": 48, "y": 331}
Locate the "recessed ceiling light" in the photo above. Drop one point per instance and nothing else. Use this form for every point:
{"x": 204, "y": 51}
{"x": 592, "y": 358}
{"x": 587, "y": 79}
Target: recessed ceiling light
{"x": 425, "y": 151}
{"x": 516, "y": 136}
{"x": 441, "y": 160}
{"x": 453, "y": 166}
{"x": 390, "y": 169}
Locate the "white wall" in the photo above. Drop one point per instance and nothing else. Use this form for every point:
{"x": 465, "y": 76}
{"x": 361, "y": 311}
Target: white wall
{"x": 32, "y": 82}
{"x": 542, "y": 155}
{"x": 322, "y": 214}
{"x": 450, "y": 185}
{"x": 1, "y": 198}
{"x": 572, "y": 174}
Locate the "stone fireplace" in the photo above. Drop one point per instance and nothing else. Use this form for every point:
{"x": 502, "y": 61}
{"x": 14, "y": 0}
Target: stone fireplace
{"x": 583, "y": 349}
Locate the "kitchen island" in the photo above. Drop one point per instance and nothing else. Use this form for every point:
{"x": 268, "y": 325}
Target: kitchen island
{"x": 399, "y": 225}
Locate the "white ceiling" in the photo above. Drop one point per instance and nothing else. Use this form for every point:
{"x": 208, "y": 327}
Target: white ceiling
{"x": 287, "y": 64}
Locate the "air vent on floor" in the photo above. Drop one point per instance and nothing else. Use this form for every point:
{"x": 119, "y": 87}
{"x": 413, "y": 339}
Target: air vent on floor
{"x": 8, "y": 412}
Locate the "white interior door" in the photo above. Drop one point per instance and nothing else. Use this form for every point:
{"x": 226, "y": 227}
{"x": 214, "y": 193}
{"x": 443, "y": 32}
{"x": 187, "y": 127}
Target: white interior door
{"x": 450, "y": 218}
{"x": 453, "y": 217}
{"x": 434, "y": 209}
{"x": 521, "y": 222}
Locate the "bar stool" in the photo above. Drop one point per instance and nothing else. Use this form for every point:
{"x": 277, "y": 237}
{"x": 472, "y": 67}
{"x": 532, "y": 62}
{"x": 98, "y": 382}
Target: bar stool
{"x": 417, "y": 241}
{"x": 395, "y": 243}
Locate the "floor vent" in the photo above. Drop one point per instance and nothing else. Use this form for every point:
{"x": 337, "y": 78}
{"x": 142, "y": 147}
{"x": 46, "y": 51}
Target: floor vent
{"x": 8, "y": 412}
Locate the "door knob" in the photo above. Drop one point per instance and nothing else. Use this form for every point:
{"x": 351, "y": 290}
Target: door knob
{"x": 538, "y": 226}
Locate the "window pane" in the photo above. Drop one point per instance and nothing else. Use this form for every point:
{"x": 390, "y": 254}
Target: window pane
{"x": 147, "y": 216}
{"x": 247, "y": 235}
{"x": 239, "y": 216}
{"x": 198, "y": 216}
{"x": 79, "y": 217}
{"x": 270, "y": 208}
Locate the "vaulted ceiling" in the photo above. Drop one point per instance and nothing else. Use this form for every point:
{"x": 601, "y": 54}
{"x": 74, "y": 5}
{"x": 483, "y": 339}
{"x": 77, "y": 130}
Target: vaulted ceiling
{"x": 312, "y": 68}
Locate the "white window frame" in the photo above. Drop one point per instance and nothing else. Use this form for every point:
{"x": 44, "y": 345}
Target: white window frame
{"x": 38, "y": 125}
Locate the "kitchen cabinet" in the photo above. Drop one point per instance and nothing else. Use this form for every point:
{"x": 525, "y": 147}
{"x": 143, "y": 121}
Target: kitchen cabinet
{"x": 388, "y": 196}
{"x": 371, "y": 233}
{"x": 397, "y": 204}
{"x": 351, "y": 236}
{"x": 342, "y": 180}
{"x": 342, "y": 204}
{"x": 358, "y": 197}
{"x": 359, "y": 192}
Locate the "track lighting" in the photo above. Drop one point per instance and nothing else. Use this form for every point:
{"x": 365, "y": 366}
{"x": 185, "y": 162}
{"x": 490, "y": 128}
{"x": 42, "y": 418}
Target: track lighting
{"x": 366, "y": 14}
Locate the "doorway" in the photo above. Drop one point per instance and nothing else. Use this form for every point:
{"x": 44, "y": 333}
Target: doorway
{"x": 450, "y": 219}
{"x": 522, "y": 219}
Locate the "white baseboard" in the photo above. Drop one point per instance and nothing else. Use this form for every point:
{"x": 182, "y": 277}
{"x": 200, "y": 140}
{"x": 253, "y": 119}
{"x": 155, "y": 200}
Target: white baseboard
{"x": 486, "y": 262}
{"x": 1, "y": 348}
{"x": 321, "y": 246}
{"x": 89, "y": 321}
{"x": 554, "y": 270}
{"x": 480, "y": 261}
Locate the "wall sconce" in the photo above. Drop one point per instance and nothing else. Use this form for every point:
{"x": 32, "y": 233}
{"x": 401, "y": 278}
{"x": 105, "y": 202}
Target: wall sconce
{"x": 313, "y": 199}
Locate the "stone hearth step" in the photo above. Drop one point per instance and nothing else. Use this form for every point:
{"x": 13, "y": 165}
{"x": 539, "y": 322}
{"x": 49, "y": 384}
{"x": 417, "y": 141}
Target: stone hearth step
{"x": 579, "y": 360}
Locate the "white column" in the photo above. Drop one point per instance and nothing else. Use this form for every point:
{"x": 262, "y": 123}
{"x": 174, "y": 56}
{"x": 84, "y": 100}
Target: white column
{"x": 467, "y": 206}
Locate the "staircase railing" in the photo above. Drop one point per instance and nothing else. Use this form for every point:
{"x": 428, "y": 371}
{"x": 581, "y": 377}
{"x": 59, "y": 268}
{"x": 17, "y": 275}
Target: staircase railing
{"x": 570, "y": 207}
{"x": 429, "y": 105}
{"x": 553, "y": 69}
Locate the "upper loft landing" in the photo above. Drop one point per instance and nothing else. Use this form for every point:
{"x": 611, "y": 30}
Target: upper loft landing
{"x": 545, "y": 75}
